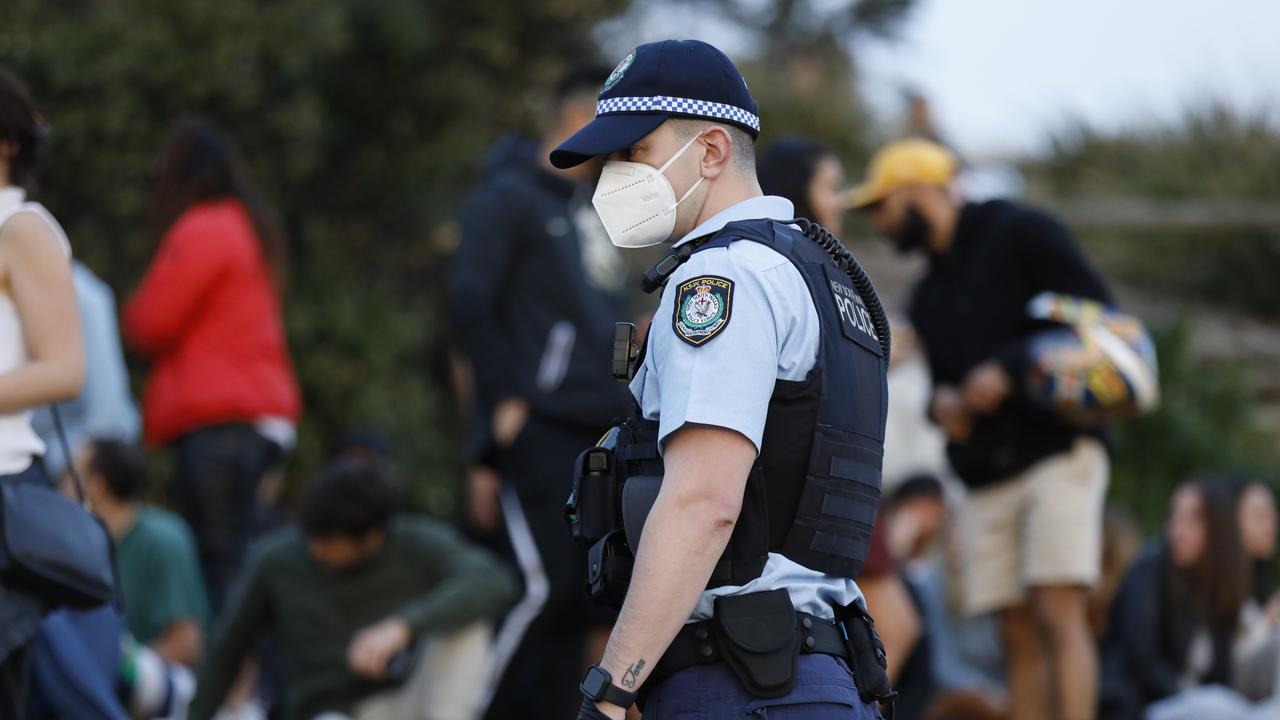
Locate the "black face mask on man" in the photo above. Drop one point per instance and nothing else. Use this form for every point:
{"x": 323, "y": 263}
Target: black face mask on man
{"x": 914, "y": 233}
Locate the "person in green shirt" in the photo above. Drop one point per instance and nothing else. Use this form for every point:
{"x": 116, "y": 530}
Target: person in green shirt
{"x": 375, "y": 612}
{"x": 166, "y": 607}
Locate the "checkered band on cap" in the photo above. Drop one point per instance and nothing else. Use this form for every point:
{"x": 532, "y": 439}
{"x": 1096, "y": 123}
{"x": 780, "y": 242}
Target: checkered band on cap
{"x": 684, "y": 106}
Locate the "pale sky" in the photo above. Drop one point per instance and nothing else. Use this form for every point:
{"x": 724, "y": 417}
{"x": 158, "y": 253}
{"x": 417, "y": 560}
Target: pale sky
{"x": 1002, "y": 75}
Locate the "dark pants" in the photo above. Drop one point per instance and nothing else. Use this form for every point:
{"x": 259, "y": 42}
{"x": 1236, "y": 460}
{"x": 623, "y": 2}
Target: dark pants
{"x": 15, "y": 678}
{"x": 542, "y": 677}
{"x": 219, "y": 469}
{"x": 76, "y": 665}
{"x": 20, "y": 617}
{"x": 825, "y": 690}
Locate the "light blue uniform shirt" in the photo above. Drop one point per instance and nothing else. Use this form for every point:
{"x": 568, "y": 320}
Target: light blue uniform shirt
{"x": 772, "y": 334}
{"x": 104, "y": 409}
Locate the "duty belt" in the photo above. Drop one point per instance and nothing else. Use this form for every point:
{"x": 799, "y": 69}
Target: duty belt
{"x": 760, "y": 635}
{"x": 696, "y": 643}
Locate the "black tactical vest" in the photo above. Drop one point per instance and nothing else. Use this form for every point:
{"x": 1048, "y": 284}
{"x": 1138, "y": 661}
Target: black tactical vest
{"x": 812, "y": 493}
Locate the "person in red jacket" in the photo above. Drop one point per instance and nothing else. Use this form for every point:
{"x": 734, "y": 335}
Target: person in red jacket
{"x": 221, "y": 390}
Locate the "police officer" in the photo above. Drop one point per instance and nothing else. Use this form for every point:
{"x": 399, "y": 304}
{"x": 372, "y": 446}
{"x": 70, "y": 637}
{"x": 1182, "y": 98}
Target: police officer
{"x": 762, "y": 390}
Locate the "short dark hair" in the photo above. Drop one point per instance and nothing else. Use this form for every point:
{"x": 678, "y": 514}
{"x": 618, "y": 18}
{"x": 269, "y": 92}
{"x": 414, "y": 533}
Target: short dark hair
{"x": 121, "y": 466}
{"x": 351, "y": 498}
{"x": 20, "y": 124}
{"x": 366, "y": 442}
{"x": 787, "y": 167}
{"x": 922, "y": 486}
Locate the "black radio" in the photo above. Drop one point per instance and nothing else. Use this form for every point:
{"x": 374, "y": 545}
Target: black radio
{"x": 614, "y": 483}
{"x": 593, "y": 509}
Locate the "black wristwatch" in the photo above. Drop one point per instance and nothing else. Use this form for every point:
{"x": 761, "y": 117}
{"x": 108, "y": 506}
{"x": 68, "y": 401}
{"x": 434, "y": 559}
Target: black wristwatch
{"x": 598, "y": 686}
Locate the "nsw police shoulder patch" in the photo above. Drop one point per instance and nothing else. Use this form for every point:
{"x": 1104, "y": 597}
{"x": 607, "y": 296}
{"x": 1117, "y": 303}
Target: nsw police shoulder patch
{"x": 702, "y": 308}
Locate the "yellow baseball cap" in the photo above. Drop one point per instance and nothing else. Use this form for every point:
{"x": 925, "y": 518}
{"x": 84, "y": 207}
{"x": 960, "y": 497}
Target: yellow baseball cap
{"x": 900, "y": 164}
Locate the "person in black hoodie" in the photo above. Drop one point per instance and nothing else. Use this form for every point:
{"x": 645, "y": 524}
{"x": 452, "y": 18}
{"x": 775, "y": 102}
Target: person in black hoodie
{"x": 535, "y": 290}
{"x": 1185, "y": 590}
{"x": 1036, "y": 486}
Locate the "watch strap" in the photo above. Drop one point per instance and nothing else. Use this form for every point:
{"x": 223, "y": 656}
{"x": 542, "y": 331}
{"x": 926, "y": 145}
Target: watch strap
{"x": 607, "y": 692}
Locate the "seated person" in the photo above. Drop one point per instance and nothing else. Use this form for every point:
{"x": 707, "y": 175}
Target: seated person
{"x": 1178, "y": 618}
{"x": 76, "y": 665}
{"x": 965, "y": 656}
{"x": 374, "y": 612}
{"x": 85, "y": 665}
{"x": 1257, "y": 657}
{"x": 905, "y": 532}
{"x": 915, "y": 515}
{"x": 1258, "y": 524}
{"x": 165, "y": 603}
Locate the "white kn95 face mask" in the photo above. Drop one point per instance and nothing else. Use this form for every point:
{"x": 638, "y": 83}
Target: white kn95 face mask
{"x": 636, "y": 202}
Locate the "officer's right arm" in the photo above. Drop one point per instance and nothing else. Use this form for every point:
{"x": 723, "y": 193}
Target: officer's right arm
{"x": 684, "y": 535}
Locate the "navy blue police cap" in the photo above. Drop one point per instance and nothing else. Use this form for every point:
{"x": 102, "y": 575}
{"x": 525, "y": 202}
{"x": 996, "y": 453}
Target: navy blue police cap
{"x": 656, "y": 81}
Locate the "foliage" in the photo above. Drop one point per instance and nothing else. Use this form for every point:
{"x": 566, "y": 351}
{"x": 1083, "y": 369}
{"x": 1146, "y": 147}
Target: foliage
{"x": 1230, "y": 268}
{"x": 1210, "y": 154}
{"x": 785, "y": 92}
{"x": 363, "y": 122}
{"x": 1204, "y": 424}
{"x": 788, "y": 24}
{"x": 1208, "y": 418}
{"x": 798, "y": 57}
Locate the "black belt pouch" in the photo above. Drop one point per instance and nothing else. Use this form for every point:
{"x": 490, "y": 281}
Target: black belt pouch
{"x": 609, "y": 565}
{"x": 759, "y": 640}
{"x": 866, "y": 655}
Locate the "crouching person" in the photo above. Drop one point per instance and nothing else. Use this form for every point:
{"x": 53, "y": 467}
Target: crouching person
{"x": 377, "y": 614}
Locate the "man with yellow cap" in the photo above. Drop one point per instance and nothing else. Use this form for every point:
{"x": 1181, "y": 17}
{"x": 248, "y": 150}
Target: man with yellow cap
{"x": 1036, "y": 485}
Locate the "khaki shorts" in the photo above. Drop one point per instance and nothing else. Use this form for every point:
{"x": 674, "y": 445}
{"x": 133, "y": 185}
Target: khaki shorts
{"x": 446, "y": 684}
{"x": 1042, "y": 527}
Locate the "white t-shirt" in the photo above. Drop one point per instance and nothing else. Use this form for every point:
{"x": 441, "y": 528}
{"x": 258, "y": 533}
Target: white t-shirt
{"x": 19, "y": 444}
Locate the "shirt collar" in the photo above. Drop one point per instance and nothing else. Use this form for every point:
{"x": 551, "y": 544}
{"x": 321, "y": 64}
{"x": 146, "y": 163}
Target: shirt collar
{"x": 769, "y": 207}
{"x": 11, "y": 197}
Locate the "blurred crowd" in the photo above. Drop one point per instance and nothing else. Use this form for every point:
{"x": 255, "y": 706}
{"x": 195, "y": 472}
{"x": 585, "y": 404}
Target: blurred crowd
{"x": 227, "y": 603}
{"x": 234, "y": 602}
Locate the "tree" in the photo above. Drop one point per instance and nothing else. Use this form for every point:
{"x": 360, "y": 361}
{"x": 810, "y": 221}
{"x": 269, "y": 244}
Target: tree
{"x": 1209, "y": 417}
{"x": 364, "y": 122}
{"x": 799, "y": 58}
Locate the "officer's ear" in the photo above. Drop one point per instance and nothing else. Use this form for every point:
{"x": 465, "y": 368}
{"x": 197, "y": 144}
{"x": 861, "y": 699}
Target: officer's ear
{"x": 719, "y": 154}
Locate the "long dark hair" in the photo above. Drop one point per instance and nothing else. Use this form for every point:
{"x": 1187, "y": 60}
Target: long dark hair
{"x": 22, "y": 126}
{"x": 1262, "y": 582}
{"x": 197, "y": 163}
{"x": 786, "y": 169}
{"x": 1218, "y": 584}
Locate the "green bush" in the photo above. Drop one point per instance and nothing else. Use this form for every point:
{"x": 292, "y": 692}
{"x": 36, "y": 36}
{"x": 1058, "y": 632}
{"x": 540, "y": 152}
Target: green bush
{"x": 1208, "y": 419}
{"x": 1204, "y": 424}
{"x": 364, "y": 122}
{"x": 1211, "y": 154}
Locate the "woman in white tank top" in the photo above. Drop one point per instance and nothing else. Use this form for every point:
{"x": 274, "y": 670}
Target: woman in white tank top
{"x": 41, "y": 357}
{"x": 38, "y": 365}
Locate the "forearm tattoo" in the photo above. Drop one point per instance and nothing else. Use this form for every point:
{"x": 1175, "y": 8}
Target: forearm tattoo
{"x": 632, "y": 674}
